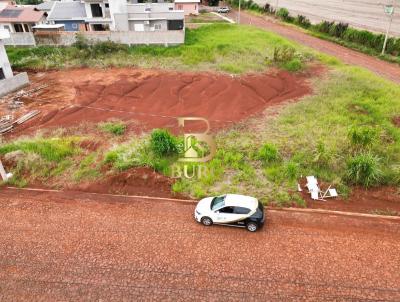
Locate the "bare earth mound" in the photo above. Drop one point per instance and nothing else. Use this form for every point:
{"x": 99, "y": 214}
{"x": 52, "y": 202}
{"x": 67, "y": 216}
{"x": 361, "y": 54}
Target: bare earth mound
{"x": 140, "y": 181}
{"x": 153, "y": 99}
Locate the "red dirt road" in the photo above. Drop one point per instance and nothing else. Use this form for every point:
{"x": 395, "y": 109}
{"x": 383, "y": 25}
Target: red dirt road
{"x": 348, "y": 56}
{"x": 78, "y": 247}
{"x": 150, "y": 99}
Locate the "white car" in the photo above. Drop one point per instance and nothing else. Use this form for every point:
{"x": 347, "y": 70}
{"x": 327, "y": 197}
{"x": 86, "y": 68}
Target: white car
{"x": 223, "y": 10}
{"x": 231, "y": 209}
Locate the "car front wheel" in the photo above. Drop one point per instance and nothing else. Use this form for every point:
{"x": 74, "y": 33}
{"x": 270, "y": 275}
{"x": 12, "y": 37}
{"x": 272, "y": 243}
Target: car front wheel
{"x": 206, "y": 221}
{"x": 252, "y": 226}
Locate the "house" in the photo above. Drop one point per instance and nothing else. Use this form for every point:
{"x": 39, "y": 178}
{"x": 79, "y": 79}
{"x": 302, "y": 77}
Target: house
{"x": 17, "y": 19}
{"x": 190, "y": 7}
{"x": 70, "y": 13}
{"x": 128, "y": 22}
{"x": 146, "y": 16}
{"x": 45, "y": 6}
{"x": 98, "y": 15}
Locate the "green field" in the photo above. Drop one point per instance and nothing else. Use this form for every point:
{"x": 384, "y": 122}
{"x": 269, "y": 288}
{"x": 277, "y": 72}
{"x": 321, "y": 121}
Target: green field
{"x": 343, "y": 133}
{"x": 218, "y": 47}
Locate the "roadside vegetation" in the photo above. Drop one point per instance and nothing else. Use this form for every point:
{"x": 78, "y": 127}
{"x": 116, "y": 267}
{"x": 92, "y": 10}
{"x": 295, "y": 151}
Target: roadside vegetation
{"x": 219, "y": 47}
{"x": 340, "y": 33}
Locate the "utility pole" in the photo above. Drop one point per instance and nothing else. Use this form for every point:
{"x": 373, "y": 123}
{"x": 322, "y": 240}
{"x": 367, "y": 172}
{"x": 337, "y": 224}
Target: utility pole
{"x": 389, "y": 10}
{"x": 239, "y": 14}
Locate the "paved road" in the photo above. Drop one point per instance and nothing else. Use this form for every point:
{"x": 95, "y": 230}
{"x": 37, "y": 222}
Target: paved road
{"x": 78, "y": 247}
{"x": 365, "y": 14}
{"x": 385, "y": 69}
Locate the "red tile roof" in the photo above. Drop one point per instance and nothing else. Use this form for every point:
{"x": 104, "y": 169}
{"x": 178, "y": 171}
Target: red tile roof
{"x": 26, "y": 14}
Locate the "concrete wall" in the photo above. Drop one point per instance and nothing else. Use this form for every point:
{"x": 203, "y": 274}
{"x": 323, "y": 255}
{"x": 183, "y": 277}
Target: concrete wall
{"x": 14, "y": 83}
{"x": 170, "y": 37}
{"x": 4, "y": 62}
{"x": 20, "y": 39}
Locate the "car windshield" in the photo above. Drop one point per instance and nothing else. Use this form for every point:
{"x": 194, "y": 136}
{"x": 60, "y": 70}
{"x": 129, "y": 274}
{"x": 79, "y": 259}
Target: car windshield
{"x": 217, "y": 202}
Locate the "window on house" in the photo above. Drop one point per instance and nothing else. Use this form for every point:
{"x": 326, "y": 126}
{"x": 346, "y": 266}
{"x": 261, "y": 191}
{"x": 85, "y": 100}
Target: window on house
{"x": 180, "y": 7}
{"x": 2, "y": 76}
{"x": 107, "y": 5}
{"x": 96, "y": 10}
{"x": 74, "y": 25}
{"x": 147, "y": 9}
{"x": 7, "y": 27}
{"x": 175, "y": 24}
{"x": 171, "y": 8}
{"x": 18, "y": 28}
{"x": 26, "y": 27}
{"x": 157, "y": 26}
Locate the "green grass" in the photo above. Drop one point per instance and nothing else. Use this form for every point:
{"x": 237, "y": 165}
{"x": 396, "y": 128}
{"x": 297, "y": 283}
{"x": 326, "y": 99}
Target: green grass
{"x": 315, "y": 136}
{"x": 42, "y": 158}
{"x": 219, "y": 47}
{"x": 55, "y": 149}
{"x": 205, "y": 18}
{"x": 115, "y": 128}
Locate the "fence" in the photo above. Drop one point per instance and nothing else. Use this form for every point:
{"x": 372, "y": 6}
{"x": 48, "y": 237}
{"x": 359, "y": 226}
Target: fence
{"x": 20, "y": 39}
{"x": 172, "y": 37}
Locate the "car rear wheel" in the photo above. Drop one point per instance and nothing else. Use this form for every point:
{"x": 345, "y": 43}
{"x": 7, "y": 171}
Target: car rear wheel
{"x": 252, "y": 226}
{"x": 206, "y": 221}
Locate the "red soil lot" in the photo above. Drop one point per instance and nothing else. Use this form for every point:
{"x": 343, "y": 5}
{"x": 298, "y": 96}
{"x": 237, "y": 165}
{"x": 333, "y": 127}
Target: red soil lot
{"x": 148, "y": 99}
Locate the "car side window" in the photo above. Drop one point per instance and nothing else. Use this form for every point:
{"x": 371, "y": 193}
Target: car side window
{"x": 241, "y": 210}
{"x": 226, "y": 210}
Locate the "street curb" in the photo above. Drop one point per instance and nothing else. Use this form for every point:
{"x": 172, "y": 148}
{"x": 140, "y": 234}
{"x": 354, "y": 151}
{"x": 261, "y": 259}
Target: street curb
{"x": 332, "y": 212}
{"x": 191, "y": 201}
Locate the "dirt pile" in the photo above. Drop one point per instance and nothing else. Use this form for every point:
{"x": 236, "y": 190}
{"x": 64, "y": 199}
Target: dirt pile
{"x": 140, "y": 181}
{"x": 153, "y": 99}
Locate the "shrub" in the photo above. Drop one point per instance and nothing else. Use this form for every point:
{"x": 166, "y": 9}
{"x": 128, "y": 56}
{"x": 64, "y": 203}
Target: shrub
{"x": 291, "y": 171}
{"x": 363, "y": 169}
{"x": 302, "y": 21}
{"x": 81, "y": 42}
{"x": 322, "y": 156}
{"x": 268, "y": 153}
{"x": 284, "y": 54}
{"x": 268, "y": 9}
{"x": 162, "y": 143}
{"x": 325, "y": 26}
{"x": 362, "y": 137}
{"x": 116, "y": 128}
{"x": 338, "y": 30}
{"x": 293, "y": 65}
{"x": 283, "y": 14}
{"x": 108, "y": 47}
